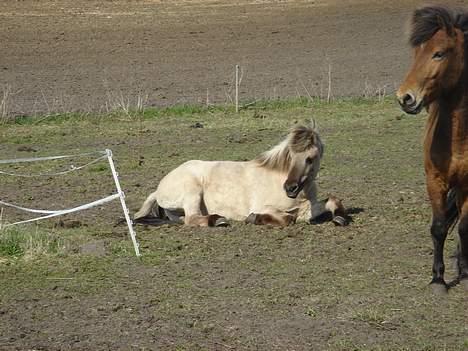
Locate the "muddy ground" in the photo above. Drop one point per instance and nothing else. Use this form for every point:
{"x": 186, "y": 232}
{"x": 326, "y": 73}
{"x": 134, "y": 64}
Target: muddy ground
{"x": 61, "y": 56}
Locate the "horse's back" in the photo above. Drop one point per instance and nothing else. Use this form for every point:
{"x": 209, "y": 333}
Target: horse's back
{"x": 196, "y": 177}
{"x": 223, "y": 187}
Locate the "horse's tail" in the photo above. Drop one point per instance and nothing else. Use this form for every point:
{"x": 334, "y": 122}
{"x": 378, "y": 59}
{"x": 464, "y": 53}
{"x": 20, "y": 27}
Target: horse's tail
{"x": 453, "y": 213}
{"x": 151, "y": 213}
{"x": 148, "y": 207}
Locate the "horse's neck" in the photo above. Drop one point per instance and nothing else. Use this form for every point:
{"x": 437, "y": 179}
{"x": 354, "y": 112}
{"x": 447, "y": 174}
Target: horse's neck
{"x": 447, "y": 127}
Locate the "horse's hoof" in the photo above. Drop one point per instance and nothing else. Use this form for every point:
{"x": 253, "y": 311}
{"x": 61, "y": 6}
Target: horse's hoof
{"x": 251, "y": 218}
{"x": 439, "y": 289}
{"x": 339, "y": 221}
{"x": 221, "y": 222}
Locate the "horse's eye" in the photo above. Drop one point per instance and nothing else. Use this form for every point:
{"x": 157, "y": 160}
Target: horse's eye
{"x": 438, "y": 56}
{"x": 309, "y": 160}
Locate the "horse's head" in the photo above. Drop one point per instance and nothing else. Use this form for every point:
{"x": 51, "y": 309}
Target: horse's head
{"x": 437, "y": 39}
{"x": 297, "y": 157}
{"x": 305, "y": 152}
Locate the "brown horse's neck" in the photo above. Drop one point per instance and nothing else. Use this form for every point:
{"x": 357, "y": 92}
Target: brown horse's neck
{"x": 447, "y": 127}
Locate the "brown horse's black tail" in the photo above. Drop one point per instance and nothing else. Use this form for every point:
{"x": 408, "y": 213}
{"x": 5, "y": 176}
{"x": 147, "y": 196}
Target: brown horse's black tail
{"x": 453, "y": 213}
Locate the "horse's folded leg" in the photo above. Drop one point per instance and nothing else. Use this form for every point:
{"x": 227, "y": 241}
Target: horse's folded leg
{"x": 251, "y": 218}
{"x": 290, "y": 219}
{"x": 340, "y": 221}
{"x": 338, "y": 211}
{"x": 320, "y": 214}
{"x": 215, "y": 220}
{"x": 222, "y": 222}
{"x": 270, "y": 219}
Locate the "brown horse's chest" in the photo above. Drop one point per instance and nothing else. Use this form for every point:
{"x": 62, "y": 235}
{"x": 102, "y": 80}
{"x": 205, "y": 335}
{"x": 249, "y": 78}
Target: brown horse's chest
{"x": 447, "y": 158}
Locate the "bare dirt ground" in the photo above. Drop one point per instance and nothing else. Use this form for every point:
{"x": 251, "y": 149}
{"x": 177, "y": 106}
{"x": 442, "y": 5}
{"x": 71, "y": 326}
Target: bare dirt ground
{"x": 67, "y": 55}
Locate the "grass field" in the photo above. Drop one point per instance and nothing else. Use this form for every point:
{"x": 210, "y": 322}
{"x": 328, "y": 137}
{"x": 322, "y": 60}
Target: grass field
{"x": 75, "y": 284}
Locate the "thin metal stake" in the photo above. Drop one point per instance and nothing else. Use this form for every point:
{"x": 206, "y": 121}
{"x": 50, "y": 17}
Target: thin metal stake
{"x": 122, "y": 201}
{"x": 237, "y": 88}
{"x": 1, "y": 219}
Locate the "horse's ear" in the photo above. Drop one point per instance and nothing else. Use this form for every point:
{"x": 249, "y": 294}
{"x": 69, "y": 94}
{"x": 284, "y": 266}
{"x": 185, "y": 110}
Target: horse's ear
{"x": 462, "y": 23}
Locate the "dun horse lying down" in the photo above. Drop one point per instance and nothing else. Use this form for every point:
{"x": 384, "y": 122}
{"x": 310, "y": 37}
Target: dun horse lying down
{"x": 277, "y": 187}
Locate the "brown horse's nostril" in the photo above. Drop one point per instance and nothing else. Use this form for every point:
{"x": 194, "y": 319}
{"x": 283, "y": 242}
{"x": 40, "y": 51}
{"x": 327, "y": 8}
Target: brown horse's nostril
{"x": 408, "y": 100}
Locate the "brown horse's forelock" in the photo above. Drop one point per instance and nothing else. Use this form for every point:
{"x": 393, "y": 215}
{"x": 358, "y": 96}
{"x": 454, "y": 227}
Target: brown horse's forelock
{"x": 428, "y": 20}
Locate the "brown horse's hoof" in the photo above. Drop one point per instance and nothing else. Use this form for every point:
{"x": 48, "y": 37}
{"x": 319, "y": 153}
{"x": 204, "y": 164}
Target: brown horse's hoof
{"x": 439, "y": 289}
{"x": 221, "y": 222}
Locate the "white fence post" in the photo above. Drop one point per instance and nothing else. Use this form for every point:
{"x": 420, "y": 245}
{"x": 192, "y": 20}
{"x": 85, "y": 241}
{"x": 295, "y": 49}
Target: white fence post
{"x": 237, "y": 88}
{"x": 122, "y": 201}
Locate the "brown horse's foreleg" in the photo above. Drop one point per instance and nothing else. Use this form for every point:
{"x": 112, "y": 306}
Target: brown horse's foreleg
{"x": 437, "y": 191}
{"x": 277, "y": 219}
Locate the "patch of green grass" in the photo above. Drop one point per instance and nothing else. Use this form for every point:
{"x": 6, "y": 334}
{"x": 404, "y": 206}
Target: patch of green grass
{"x": 99, "y": 168}
{"x": 11, "y": 242}
{"x": 186, "y": 110}
{"x": 17, "y": 242}
{"x": 56, "y": 118}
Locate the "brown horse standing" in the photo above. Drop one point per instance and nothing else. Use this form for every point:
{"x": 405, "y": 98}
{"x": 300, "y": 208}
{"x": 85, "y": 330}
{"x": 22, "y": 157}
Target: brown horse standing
{"x": 438, "y": 81}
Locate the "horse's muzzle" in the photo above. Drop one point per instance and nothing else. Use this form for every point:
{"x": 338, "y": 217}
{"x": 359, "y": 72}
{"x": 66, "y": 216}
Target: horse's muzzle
{"x": 410, "y": 104}
{"x": 293, "y": 190}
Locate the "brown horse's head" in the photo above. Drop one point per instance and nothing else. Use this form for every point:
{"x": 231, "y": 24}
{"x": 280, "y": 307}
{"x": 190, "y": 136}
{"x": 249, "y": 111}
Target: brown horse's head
{"x": 437, "y": 39}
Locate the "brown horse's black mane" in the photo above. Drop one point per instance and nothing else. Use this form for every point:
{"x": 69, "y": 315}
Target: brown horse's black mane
{"x": 428, "y": 20}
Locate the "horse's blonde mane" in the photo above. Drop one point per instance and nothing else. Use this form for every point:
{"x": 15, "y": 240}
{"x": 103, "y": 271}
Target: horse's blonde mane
{"x": 277, "y": 158}
{"x": 300, "y": 139}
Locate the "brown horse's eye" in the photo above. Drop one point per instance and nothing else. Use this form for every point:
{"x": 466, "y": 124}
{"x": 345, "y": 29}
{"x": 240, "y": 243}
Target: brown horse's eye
{"x": 438, "y": 56}
{"x": 309, "y": 160}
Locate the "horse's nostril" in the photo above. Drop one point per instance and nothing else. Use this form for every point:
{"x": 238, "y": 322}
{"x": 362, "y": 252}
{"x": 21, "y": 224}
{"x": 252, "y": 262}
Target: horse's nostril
{"x": 408, "y": 100}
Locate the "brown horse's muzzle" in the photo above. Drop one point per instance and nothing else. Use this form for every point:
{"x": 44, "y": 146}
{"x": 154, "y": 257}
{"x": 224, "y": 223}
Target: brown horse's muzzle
{"x": 409, "y": 103}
